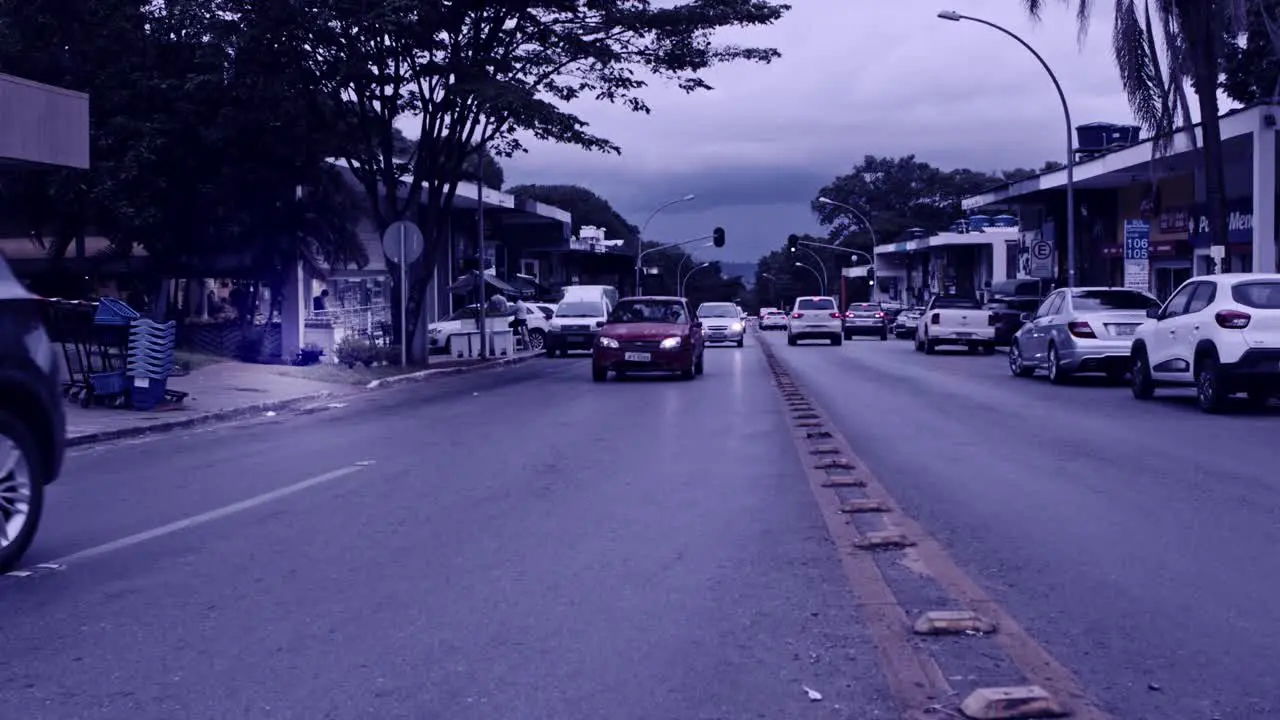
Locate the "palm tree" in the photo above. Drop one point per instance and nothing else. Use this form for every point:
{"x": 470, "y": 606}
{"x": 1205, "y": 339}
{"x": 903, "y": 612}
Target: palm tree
{"x": 1193, "y": 33}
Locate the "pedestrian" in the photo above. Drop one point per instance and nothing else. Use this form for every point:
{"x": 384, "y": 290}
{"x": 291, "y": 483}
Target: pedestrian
{"x": 320, "y": 303}
{"x": 498, "y": 304}
{"x": 520, "y": 323}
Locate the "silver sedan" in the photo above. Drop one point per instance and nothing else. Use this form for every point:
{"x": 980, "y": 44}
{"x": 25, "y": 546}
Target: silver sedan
{"x": 1080, "y": 330}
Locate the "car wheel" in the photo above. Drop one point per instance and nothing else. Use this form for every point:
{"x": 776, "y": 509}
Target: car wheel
{"x": 1140, "y": 380}
{"x": 929, "y": 347}
{"x": 1053, "y": 364}
{"x": 1016, "y": 366}
{"x": 741, "y": 342}
{"x": 989, "y": 349}
{"x": 599, "y": 374}
{"x": 791, "y": 340}
{"x": 537, "y": 340}
{"x": 884, "y": 336}
{"x": 848, "y": 336}
{"x": 1115, "y": 376}
{"x": 551, "y": 352}
{"x": 21, "y": 490}
{"x": 919, "y": 345}
{"x": 837, "y": 339}
{"x": 1210, "y": 394}
{"x": 1259, "y": 399}
{"x": 690, "y": 372}
{"x": 698, "y": 364}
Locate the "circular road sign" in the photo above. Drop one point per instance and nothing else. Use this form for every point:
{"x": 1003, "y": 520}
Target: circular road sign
{"x": 412, "y": 242}
{"x": 1041, "y": 250}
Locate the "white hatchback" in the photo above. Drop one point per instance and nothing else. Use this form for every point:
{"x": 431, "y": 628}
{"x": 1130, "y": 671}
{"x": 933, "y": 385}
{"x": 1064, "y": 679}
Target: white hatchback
{"x": 1218, "y": 333}
{"x": 815, "y": 318}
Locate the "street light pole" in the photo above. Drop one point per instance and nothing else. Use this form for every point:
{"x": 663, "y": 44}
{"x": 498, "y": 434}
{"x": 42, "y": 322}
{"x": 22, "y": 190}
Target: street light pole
{"x": 822, "y": 283}
{"x": 826, "y": 279}
{"x": 640, "y": 240}
{"x": 680, "y": 285}
{"x": 871, "y": 259}
{"x": 954, "y": 16}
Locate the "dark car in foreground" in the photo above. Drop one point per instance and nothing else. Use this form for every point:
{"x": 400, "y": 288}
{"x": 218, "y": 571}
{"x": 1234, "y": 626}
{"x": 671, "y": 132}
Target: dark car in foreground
{"x": 649, "y": 335}
{"x": 32, "y": 424}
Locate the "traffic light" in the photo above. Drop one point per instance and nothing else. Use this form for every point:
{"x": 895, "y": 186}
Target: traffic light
{"x": 871, "y": 276}
{"x": 793, "y": 241}
{"x": 717, "y": 237}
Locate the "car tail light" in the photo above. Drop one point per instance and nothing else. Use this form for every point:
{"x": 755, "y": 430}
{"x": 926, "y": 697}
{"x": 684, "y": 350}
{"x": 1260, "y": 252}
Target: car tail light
{"x": 1081, "y": 329}
{"x": 880, "y": 315}
{"x": 935, "y": 319}
{"x": 797, "y": 315}
{"x": 1232, "y": 319}
{"x": 835, "y": 315}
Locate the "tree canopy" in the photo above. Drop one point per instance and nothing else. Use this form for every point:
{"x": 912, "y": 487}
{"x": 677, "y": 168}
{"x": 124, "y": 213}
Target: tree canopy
{"x": 895, "y": 195}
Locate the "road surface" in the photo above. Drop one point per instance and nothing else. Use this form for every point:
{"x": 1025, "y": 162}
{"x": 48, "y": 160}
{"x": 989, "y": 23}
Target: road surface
{"x": 518, "y": 543}
{"x": 523, "y": 543}
{"x": 1134, "y": 540}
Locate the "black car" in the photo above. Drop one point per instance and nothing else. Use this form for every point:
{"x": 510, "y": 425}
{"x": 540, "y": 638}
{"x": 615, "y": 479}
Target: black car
{"x": 32, "y": 424}
{"x": 1007, "y": 313}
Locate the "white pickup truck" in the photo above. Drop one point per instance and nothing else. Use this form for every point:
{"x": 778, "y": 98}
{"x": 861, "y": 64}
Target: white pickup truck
{"x": 955, "y": 320}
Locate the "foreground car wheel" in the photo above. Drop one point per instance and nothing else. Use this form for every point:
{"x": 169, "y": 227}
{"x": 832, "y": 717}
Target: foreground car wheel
{"x": 1209, "y": 391}
{"x": 1016, "y": 366}
{"x": 599, "y": 374}
{"x": 1140, "y": 381}
{"x": 21, "y": 490}
{"x": 537, "y": 340}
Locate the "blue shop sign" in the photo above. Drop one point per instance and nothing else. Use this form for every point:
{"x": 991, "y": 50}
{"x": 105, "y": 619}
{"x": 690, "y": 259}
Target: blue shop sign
{"x": 1239, "y": 224}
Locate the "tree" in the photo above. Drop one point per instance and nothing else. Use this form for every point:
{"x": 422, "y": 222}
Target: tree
{"x": 894, "y": 195}
{"x": 1020, "y": 174}
{"x": 475, "y": 75}
{"x": 1251, "y": 64}
{"x": 586, "y": 207}
{"x": 1194, "y": 33}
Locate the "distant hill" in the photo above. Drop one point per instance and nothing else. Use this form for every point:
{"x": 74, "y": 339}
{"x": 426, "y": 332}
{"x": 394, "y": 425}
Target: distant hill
{"x": 747, "y": 271}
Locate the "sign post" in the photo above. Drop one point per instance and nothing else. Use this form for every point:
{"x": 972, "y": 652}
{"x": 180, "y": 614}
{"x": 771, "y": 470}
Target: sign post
{"x": 1137, "y": 255}
{"x": 1042, "y": 253}
{"x": 402, "y": 243}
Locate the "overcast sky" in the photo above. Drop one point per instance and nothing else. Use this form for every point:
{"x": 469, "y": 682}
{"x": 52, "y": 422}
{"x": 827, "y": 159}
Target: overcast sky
{"x": 884, "y": 77}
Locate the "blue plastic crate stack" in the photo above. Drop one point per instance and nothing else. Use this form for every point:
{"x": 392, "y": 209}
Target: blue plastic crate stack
{"x": 150, "y": 361}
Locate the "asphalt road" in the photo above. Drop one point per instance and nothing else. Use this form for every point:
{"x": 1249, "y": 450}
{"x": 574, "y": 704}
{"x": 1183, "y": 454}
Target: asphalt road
{"x": 1135, "y": 541}
{"x": 518, "y": 543}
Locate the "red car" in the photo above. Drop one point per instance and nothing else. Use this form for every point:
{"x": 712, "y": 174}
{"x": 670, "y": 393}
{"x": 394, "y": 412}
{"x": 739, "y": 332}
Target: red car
{"x": 649, "y": 334}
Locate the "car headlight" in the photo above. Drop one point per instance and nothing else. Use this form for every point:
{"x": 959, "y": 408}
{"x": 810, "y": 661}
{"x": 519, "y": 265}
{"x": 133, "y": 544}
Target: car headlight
{"x": 737, "y": 327}
{"x": 608, "y": 342}
{"x": 434, "y": 331}
{"x": 670, "y": 343}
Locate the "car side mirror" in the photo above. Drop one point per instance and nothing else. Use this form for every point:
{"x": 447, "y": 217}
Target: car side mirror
{"x": 599, "y": 323}
{"x": 1153, "y": 313}
{"x": 697, "y": 324}
{"x": 1025, "y": 317}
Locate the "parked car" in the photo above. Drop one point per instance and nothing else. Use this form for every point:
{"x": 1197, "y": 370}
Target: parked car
{"x": 815, "y": 318}
{"x": 1218, "y": 333}
{"x": 904, "y": 326}
{"x": 32, "y": 423}
{"x": 649, "y": 334}
{"x": 866, "y": 319}
{"x": 722, "y": 323}
{"x": 773, "y": 320}
{"x": 955, "y": 320}
{"x": 1080, "y": 330}
{"x": 1009, "y": 313}
{"x": 464, "y": 320}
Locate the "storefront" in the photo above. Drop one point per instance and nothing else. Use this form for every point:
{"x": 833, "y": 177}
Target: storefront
{"x": 1239, "y": 237}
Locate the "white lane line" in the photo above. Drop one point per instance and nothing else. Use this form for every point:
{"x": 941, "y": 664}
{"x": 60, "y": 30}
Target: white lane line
{"x": 205, "y": 517}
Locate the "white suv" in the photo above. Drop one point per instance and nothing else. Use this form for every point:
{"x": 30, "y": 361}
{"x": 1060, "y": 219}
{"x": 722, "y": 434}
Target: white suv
{"x": 815, "y": 318}
{"x": 1220, "y": 333}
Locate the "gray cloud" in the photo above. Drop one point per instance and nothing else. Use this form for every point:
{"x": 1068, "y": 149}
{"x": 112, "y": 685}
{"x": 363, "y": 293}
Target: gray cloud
{"x": 856, "y": 78}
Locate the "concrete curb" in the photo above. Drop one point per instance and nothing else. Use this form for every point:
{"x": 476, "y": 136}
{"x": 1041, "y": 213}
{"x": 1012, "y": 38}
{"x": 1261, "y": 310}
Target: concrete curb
{"x": 427, "y": 374}
{"x": 193, "y": 420}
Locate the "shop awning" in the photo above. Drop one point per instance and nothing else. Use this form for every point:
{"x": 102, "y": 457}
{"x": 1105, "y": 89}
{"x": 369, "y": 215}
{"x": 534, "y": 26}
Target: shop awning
{"x": 467, "y": 283}
{"x": 527, "y": 287}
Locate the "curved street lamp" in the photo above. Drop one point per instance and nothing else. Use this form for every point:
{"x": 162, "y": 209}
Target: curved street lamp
{"x": 645, "y": 226}
{"x": 954, "y": 16}
{"x": 826, "y": 279}
{"x": 680, "y": 286}
{"x": 687, "y": 256}
{"x": 821, "y": 283}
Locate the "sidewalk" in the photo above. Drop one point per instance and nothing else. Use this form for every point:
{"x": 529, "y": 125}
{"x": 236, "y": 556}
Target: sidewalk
{"x": 228, "y": 390}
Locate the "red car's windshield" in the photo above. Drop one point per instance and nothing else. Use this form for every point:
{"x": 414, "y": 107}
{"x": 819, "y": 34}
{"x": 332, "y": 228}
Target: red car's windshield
{"x": 649, "y": 311}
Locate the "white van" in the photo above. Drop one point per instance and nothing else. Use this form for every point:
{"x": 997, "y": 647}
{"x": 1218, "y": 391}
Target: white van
{"x": 582, "y": 311}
